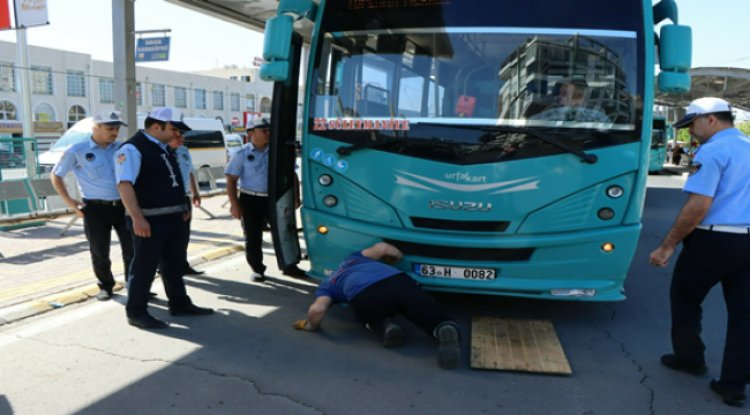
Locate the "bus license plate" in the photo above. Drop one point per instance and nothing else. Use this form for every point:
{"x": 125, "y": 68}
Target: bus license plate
{"x": 442, "y": 271}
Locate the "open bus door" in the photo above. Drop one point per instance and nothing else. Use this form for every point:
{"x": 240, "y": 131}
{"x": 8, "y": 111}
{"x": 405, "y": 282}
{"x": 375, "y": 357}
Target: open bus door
{"x": 281, "y": 176}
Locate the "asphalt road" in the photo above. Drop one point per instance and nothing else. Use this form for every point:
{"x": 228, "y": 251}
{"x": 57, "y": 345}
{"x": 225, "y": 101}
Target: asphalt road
{"x": 246, "y": 359}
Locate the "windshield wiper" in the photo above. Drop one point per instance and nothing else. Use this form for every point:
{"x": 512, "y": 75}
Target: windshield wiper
{"x": 585, "y": 157}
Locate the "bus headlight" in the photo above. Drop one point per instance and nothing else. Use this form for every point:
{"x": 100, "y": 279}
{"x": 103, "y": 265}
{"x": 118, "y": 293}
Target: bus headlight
{"x": 325, "y": 180}
{"x": 615, "y": 191}
{"x": 322, "y": 229}
{"x": 330, "y": 201}
{"x": 608, "y": 247}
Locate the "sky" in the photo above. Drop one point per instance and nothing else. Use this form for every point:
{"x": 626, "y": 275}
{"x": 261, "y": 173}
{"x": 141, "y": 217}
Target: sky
{"x": 199, "y": 42}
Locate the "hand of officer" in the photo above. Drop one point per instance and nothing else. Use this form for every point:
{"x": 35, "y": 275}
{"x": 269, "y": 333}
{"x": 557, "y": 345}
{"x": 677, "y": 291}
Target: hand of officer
{"x": 235, "y": 210}
{"x": 141, "y": 228}
{"x": 302, "y": 325}
{"x": 77, "y": 206}
{"x": 197, "y": 200}
{"x": 660, "y": 256}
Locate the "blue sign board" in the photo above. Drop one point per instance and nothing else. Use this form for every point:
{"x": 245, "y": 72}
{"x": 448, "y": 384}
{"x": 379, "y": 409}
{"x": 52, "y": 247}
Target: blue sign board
{"x": 152, "y": 49}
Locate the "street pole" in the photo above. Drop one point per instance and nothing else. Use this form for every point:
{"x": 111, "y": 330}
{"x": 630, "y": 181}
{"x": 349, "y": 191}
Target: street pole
{"x": 123, "y": 48}
{"x": 22, "y": 52}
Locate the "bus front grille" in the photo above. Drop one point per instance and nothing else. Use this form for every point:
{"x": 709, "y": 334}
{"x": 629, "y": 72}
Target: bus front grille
{"x": 460, "y": 253}
{"x": 460, "y": 225}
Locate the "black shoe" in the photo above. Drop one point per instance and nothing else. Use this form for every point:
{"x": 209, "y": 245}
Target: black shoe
{"x": 731, "y": 397}
{"x": 393, "y": 334}
{"x": 258, "y": 277}
{"x": 295, "y": 272}
{"x": 190, "y": 310}
{"x": 191, "y": 271}
{"x": 449, "y": 349}
{"x": 673, "y": 362}
{"x": 146, "y": 321}
{"x": 104, "y": 295}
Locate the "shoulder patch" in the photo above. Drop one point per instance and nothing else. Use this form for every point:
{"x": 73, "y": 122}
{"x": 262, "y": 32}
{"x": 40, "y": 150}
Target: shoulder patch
{"x": 694, "y": 168}
{"x": 121, "y": 158}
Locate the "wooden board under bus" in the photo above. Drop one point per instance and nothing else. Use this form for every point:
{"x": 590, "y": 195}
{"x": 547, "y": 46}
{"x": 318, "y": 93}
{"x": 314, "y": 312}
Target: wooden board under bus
{"x": 517, "y": 345}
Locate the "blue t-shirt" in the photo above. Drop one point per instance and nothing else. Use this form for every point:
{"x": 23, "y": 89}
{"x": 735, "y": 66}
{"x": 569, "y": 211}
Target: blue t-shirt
{"x": 721, "y": 172}
{"x": 355, "y": 273}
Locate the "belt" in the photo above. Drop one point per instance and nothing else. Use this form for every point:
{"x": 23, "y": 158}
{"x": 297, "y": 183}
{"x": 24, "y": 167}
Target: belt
{"x": 165, "y": 210}
{"x": 117, "y": 202}
{"x": 726, "y": 228}
{"x": 252, "y": 193}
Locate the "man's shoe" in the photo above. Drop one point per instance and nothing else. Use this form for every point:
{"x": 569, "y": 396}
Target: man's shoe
{"x": 295, "y": 272}
{"x": 258, "y": 277}
{"x": 393, "y": 334}
{"x": 192, "y": 271}
{"x": 731, "y": 397}
{"x": 449, "y": 350}
{"x": 190, "y": 310}
{"x": 146, "y": 321}
{"x": 104, "y": 295}
{"x": 673, "y": 362}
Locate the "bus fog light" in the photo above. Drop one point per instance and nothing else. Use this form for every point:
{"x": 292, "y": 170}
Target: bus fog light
{"x": 330, "y": 201}
{"x": 608, "y": 247}
{"x": 325, "y": 180}
{"x": 606, "y": 213}
{"x": 573, "y": 292}
{"x": 615, "y": 191}
{"x": 322, "y": 229}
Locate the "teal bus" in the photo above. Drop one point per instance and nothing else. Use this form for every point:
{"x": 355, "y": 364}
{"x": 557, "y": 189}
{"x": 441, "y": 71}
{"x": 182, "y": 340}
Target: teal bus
{"x": 502, "y": 146}
{"x": 659, "y": 137}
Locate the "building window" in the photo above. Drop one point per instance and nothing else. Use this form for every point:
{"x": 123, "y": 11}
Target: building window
{"x": 7, "y": 111}
{"x": 44, "y": 112}
{"x": 41, "y": 80}
{"x": 76, "y": 113}
{"x": 106, "y": 91}
{"x": 265, "y": 104}
{"x": 76, "y": 84}
{"x": 218, "y": 100}
{"x": 7, "y": 77}
{"x": 200, "y": 99}
{"x": 158, "y": 95}
{"x": 138, "y": 93}
{"x": 234, "y": 99}
{"x": 180, "y": 97}
{"x": 249, "y": 102}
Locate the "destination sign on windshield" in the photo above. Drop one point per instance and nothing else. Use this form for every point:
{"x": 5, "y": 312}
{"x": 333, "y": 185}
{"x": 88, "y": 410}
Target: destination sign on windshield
{"x": 394, "y": 4}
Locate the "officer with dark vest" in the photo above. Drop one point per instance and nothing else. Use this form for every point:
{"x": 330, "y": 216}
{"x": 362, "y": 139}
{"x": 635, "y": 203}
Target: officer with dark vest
{"x": 153, "y": 192}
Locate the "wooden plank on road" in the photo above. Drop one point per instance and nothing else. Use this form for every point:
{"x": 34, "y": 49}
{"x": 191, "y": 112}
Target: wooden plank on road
{"x": 518, "y": 345}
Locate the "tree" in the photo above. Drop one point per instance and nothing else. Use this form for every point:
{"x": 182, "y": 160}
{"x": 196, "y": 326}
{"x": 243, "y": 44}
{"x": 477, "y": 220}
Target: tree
{"x": 744, "y": 127}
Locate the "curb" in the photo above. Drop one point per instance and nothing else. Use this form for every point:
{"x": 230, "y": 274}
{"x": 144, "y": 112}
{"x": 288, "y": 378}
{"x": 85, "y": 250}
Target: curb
{"x": 80, "y": 294}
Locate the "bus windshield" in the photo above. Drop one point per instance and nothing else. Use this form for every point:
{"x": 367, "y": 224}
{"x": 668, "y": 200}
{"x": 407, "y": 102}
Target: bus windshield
{"x": 469, "y": 95}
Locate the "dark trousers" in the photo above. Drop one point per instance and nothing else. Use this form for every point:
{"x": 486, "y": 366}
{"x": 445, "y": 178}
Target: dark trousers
{"x": 398, "y": 294}
{"x": 98, "y": 222}
{"x": 709, "y": 258}
{"x": 187, "y": 240}
{"x": 254, "y": 219}
{"x": 166, "y": 245}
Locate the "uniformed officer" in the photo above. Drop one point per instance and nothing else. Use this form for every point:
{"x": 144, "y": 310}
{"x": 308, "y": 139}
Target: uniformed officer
{"x": 187, "y": 170}
{"x": 249, "y": 166}
{"x": 152, "y": 189}
{"x": 714, "y": 227}
{"x": 91, "y": 161}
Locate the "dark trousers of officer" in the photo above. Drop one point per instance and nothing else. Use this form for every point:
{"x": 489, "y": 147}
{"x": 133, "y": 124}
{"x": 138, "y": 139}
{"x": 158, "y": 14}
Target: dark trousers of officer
{"x": 187, "y": 239}
{"x": 398, "y": 294}
{"x": 98, "y": 220}
{"x": 254, "y": 219}
{"x": 166, "y": 244}
{"x": 709, "y": 258}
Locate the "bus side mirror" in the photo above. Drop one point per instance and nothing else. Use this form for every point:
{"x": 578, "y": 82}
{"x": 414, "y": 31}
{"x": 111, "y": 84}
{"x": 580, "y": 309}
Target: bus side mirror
{"x": 675, "y": 56}
{"x": 277, "y": 46}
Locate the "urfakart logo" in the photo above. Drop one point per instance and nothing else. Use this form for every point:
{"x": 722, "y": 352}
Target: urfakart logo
{"x": 460, "y": 205}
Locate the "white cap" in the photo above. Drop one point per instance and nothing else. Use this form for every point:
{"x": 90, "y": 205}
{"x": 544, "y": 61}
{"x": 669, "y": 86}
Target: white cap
{"x": 703, "y": 106}
{"x": 258, "y": 123}
{"x": 170, "y": 115}
{"x": 111, "y": 118}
